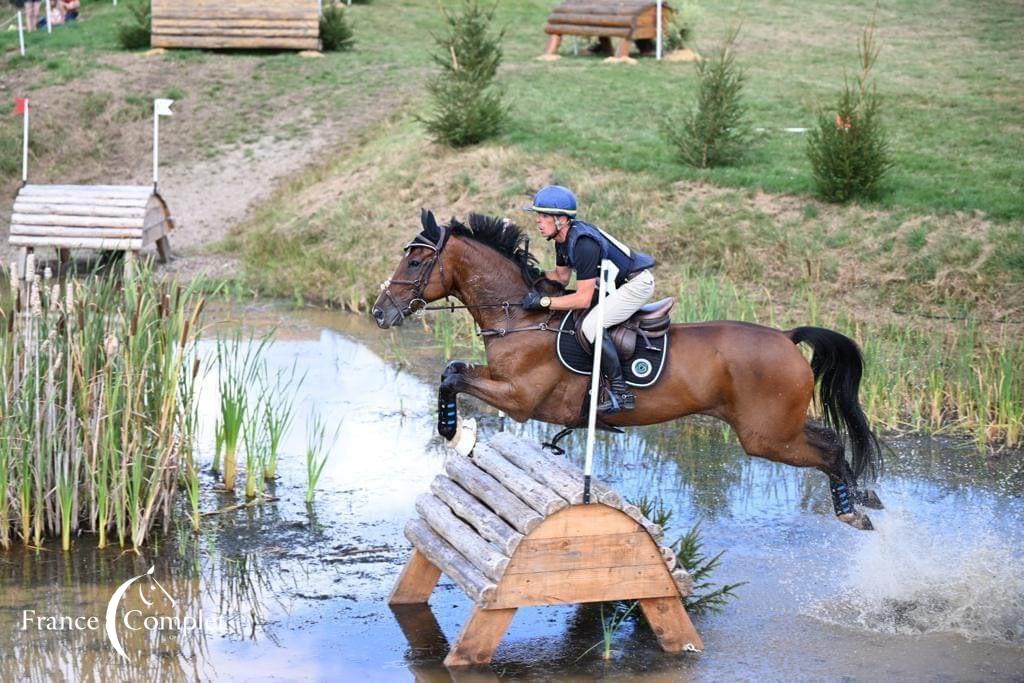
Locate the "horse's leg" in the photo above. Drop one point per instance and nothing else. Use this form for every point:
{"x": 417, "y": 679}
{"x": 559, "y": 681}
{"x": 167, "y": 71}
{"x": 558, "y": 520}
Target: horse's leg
{"x": 814, "y": 446}
{"x": 515, "y": 398}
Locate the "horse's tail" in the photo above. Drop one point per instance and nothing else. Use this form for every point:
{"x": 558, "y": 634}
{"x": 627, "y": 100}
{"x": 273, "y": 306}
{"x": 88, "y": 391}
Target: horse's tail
{"x": 838, "y": 365}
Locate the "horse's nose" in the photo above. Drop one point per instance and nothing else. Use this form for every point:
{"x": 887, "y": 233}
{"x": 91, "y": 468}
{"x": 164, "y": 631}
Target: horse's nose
{"x": 378, "y": 315}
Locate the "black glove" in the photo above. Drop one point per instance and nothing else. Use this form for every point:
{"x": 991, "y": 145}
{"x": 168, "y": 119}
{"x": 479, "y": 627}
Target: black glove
{"x": 533, "y": 301}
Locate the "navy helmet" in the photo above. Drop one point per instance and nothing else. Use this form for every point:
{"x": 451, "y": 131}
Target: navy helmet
{"x": 555, "y": 200}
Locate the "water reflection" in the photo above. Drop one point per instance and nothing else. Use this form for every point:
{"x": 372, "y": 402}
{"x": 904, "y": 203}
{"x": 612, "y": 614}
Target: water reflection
{"x": 299, "y": 592}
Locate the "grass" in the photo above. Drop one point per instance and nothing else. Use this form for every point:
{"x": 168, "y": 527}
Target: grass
{"x": 318, "y": 450}
{"x": 95, "y": 394}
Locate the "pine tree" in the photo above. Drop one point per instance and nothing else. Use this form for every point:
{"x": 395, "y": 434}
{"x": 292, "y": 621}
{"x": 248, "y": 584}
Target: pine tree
{"x": 849, "y": 151}
{"x": 466, "y": 106}
{"x": 715, "y": 132}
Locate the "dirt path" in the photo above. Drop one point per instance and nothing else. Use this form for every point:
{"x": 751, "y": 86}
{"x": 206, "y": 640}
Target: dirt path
{"x": 97, "y": 129}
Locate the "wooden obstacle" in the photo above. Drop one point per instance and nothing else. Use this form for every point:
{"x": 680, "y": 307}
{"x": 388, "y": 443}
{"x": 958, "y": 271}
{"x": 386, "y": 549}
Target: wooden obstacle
{"x": 116, "y": 217}
{"x": 627, "y": 20}
{"x": 509, "y": 526}
{"x": 262, "y": 24}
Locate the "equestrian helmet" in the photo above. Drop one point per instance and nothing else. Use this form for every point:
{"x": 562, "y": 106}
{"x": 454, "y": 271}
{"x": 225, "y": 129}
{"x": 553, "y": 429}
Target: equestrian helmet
{"x": 555, "y": 200}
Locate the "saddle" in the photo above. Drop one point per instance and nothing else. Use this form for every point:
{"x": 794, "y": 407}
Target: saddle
{"x": 642, "y": 343}
{"x": 649, "y": 322}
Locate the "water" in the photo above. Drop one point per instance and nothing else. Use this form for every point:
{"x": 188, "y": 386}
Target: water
{"x": 287, "y": 591}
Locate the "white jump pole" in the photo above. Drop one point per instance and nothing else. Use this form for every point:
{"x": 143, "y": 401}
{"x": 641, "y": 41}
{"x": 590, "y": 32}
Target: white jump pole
{"x": 49, "y": 24}
{"x": 658, "y": 51}
{"x": 21, "y": 35}
{"x": 595, "y": 380}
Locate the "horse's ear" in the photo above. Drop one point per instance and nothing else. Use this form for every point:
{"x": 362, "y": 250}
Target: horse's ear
{"x": 429, "y": 223}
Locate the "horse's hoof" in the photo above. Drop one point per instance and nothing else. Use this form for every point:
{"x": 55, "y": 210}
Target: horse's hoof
{"x": 869, "y": 499}
{"x": 858, "y": 520}
{"x": 454, "y": 368}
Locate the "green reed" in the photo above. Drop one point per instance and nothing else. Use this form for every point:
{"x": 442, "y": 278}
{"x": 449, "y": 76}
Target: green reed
{"x": 238, "y": 365}
{"x": 93, "y": 418}
{"x": 278, "y": 414}
{"x": 317, "y": 452}
{"x": 255, "y": 438}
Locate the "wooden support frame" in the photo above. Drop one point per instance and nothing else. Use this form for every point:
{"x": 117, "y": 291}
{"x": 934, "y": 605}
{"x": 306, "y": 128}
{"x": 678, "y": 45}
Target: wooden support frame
{"x": 583, "y": 553}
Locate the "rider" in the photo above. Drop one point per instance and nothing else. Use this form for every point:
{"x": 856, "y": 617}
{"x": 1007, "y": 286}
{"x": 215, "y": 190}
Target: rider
{"x": 581, "y": 246}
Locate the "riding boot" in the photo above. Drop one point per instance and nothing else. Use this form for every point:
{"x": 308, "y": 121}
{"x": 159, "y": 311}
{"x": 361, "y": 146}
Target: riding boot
{"x": 619, "y": 396}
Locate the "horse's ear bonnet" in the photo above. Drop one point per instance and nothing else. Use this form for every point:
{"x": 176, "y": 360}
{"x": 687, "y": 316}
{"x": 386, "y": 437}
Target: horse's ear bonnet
{"x": 430, "y": 236}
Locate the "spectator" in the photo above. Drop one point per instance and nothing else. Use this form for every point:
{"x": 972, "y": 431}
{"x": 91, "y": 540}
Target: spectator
{"x": 69, "y": 8}
{"x": 31, "y": 13}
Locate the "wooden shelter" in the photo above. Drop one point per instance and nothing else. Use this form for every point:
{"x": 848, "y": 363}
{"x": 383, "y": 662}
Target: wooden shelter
{"x": 253, "y": 24}
{"x": 116, "y": 217}
{"x": 627, "y": 20}
{"x": 508, "y": 525}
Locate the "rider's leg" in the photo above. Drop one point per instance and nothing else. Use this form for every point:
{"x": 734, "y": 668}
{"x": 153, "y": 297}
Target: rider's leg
{"x": 618, "y": 307}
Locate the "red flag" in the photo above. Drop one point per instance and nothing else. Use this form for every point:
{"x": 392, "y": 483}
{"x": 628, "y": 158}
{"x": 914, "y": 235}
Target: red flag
{"x": 20, "y": 105}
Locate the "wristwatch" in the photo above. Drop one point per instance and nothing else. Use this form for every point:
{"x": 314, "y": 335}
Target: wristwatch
{"x": 545, "y": 301}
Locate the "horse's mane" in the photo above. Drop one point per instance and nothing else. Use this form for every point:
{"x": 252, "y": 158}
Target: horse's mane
{"x": 507, "y": 239}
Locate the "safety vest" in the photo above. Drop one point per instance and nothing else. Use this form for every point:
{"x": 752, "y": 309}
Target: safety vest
{"x": 624, "y": 260}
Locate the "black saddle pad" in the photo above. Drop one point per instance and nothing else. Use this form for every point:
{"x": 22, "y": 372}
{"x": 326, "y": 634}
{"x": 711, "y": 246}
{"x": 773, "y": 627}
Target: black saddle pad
{"x": 642, "y": 370}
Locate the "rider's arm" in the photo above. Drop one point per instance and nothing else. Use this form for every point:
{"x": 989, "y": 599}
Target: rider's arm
{"x": 559, "y": 274}
{"x": 581, "y": 298}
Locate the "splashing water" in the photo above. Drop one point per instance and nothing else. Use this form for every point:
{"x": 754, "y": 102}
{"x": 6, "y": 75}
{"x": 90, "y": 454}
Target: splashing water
{"x": 908, "y": 578}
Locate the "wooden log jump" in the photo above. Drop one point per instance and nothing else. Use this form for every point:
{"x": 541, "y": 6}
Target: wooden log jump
{"x": 253, "y": 24}
{"x": 115, "y": 217}
{"x": 627, "y": 20}
{"x": 508, "y": 526}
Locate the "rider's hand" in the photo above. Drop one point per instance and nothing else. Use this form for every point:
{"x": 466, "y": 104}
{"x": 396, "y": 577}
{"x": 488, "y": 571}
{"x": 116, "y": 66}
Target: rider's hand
{"x": 533, "y": 301}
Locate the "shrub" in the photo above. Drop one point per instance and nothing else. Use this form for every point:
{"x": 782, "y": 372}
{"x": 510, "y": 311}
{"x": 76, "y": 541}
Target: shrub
{"x": 466, "y": 106}
{"x": 135, "y": 33}
{"x": 714, "y": 133}
{"x": 335, "y": 29}
{"x": 849, "y": 151}
{"x": 681, "y": 29}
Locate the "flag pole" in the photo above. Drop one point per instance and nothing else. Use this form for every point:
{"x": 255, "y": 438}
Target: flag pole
{"x": 24, "y": 146}
{"x": 595, "y": 381}
{"x": 156, "y": 143}
{"x": 21, "y": 34}
{"x": 49, "y": 24}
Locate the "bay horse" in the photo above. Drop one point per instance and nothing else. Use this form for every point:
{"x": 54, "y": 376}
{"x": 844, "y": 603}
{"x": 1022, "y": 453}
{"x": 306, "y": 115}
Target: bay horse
{"x": 750, "y": 376}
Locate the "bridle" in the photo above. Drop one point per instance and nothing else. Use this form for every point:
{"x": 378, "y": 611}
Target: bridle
{"x": 421, "y": 282}
{"x": 418, "y": 302}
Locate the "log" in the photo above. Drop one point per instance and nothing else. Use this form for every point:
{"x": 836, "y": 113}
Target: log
{"x": 65, "y": 221}
{"x": 574, "y": 30}
{"x": 529, "y": 490}
{"x": 484, "y": 556}
{"x": 613, "y": 20}
{"x": 489, "y": 491}
{"x": 76, "y": 242}
{"x": 134, "y": 210}
{"x": 228, "y": 42}
{"x": 109, "y": 191}
{"x": 533, "y": 460}
{"x": 683, "y": 581}
{"x": 61, "y": 231}
{"x": 489, "y": 525}
{"x": 454, "y": 565}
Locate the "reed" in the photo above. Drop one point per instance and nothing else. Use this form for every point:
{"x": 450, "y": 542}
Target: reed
{"x": 93, "y": 417}
{"x": 317, "y": 452}
{"x": 278, "y": 414}
{"x": 238, "y": 365}
{"x": 255, "y": 438}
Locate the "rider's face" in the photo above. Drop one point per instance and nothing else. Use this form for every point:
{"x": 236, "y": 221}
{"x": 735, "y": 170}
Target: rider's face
{"x": 548, "y": 225}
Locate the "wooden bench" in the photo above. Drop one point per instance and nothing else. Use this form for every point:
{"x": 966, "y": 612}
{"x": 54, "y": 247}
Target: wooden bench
{"x": 627, "y": 20}
{"x": 110, "y": 217}
{"x": 508, "y": 525}
{"x": 263, "y": 24}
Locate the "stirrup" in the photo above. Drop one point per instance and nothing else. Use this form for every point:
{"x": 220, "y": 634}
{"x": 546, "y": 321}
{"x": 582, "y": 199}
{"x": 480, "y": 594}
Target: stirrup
{"x": 617, "y": 403}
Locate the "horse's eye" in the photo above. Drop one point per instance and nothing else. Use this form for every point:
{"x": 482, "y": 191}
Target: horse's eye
{"x": 414, "y": 263}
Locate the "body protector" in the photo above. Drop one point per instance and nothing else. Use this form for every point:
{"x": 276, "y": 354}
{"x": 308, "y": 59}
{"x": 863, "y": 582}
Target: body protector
{"x": 624, "y": 260}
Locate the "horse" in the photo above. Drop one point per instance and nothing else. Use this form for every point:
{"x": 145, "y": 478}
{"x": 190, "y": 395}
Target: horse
{"x": 750, "y": 376}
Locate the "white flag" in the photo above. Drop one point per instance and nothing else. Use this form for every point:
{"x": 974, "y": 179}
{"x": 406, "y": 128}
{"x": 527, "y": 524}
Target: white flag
{"x": 163, "y": 107}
